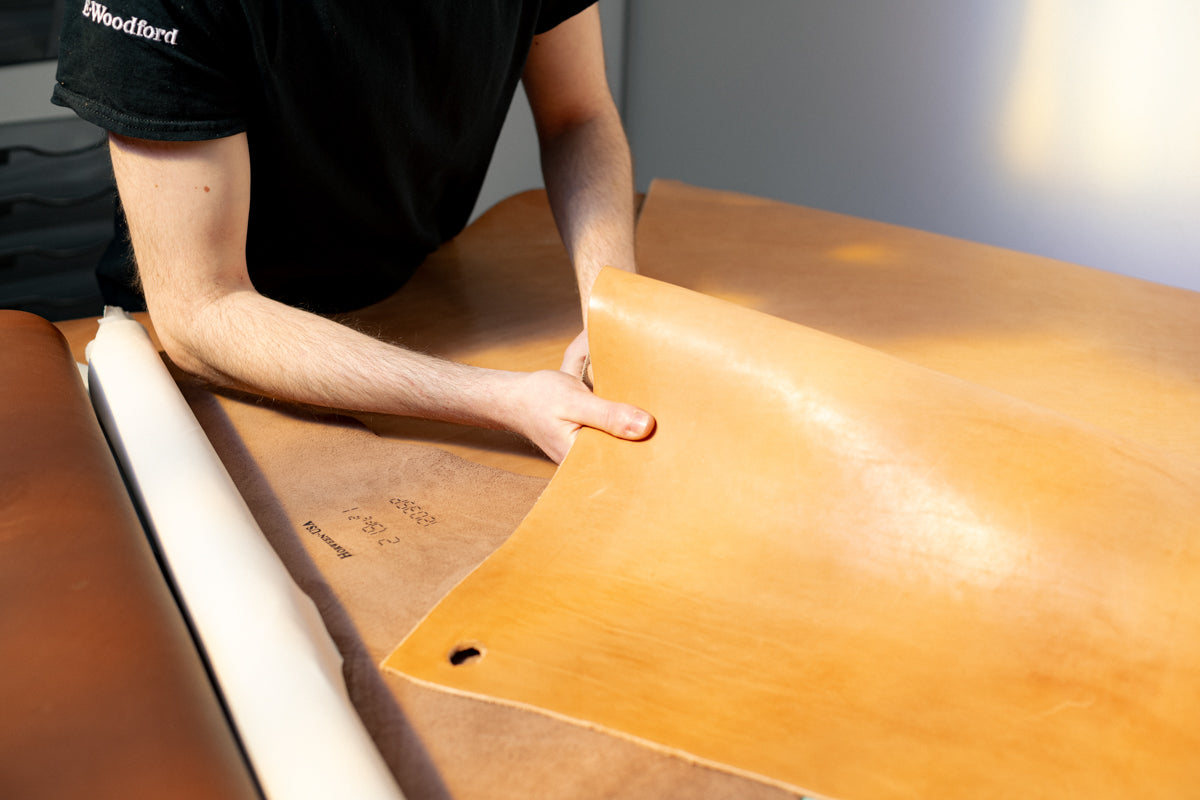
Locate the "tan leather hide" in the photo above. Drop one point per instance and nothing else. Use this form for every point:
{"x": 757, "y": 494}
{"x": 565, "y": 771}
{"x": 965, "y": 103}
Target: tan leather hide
{"x": 1120, "y": 353}
{"x": 843, "y": 573}
{"x": 899, "y": 610}
{"x": 102, "y": 691}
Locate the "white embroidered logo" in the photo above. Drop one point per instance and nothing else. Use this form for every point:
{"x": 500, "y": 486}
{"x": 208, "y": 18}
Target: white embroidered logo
{"x": 99, "y": 14}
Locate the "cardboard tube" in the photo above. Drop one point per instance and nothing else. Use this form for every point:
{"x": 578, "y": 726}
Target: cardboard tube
{"x": 273, "y": 660}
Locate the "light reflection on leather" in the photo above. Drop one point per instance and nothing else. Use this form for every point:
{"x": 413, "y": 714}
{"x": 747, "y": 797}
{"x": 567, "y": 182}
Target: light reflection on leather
{"x": 843, "y": 573}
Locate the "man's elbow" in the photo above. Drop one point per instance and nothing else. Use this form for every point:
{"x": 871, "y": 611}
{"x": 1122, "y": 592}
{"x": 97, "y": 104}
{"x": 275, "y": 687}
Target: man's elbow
{"x": 184, "y": 357}
{"x": 193, "y": 328}
{"x": 179, "y": 345}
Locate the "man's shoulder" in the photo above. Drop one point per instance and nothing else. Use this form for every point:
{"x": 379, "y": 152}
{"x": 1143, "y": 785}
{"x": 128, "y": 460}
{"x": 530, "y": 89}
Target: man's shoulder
{"x": 150, "y": 68}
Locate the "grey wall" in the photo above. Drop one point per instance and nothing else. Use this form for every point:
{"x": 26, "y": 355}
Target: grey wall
{"x": 1068, "y": 128}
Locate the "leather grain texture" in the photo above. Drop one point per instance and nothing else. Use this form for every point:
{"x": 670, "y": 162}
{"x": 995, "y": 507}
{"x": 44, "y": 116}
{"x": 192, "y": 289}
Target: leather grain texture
{"x": 843, "y": 573}
{"x": 1114, "y": 351}
{"x": 103, "y": 694}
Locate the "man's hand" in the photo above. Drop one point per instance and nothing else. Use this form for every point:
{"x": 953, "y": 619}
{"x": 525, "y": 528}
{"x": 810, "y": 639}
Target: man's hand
{"x": 551, "y": 406}
{"x": 187, "y": 205}
{"x": 589, "y": 180}
{"x": 576, "y": 360}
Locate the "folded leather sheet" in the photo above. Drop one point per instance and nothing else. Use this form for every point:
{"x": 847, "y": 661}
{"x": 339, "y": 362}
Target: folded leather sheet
{"x": 843, "y": 573}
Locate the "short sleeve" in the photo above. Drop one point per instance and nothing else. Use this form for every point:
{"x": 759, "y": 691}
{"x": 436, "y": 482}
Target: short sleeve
{"x": 152, "y": 69}
{"x": 553, "y": 13}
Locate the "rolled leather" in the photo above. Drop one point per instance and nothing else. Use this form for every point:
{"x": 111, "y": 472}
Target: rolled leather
{"x": 103, "y": 692}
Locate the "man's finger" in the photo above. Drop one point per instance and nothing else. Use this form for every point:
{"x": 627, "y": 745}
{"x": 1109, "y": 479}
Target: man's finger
{"x": 619, "y": 419}
{"x": 575, "y": 356}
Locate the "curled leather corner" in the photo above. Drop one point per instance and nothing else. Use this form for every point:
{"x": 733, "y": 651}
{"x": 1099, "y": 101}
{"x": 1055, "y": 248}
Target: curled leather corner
{"x": 737, "y": 581}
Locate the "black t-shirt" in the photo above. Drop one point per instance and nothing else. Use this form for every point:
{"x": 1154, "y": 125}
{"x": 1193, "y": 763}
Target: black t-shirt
{"x": 370, "y": 122}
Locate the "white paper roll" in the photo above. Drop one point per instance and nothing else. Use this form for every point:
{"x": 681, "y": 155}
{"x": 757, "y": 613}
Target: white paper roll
{"x": 274, "y": 662}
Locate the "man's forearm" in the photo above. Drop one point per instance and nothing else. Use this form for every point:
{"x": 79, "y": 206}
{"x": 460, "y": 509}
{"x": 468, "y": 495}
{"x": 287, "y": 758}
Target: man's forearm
{"x": 190, "y": 246}
{"x": 589, "y": 179}
{"x": 245, "y": 340}
{"x": 585, "y": 156}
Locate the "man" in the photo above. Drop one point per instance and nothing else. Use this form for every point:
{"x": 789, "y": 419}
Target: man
{"x": 277, "y": 157}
